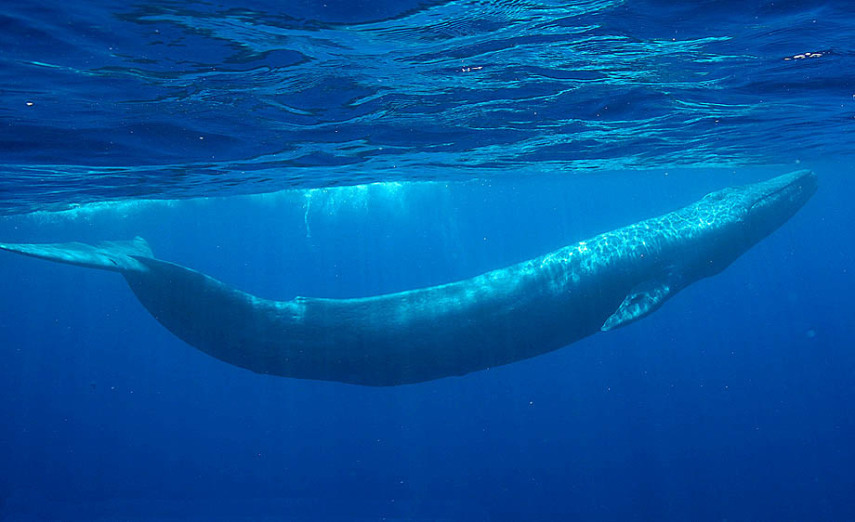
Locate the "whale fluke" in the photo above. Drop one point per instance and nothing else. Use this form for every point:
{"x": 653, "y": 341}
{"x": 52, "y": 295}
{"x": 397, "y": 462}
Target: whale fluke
{"x": 118, "y": 256}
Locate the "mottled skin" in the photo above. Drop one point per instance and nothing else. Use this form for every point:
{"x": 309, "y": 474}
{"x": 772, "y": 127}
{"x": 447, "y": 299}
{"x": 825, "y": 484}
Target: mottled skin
{"x": 495, "y": 318}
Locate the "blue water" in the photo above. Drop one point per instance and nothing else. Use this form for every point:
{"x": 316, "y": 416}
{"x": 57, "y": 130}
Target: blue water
{"x": 344, "y": 149}
{"x": 169, "y": 99}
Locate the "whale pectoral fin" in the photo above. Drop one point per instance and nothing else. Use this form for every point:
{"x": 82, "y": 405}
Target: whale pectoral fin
{"x": 643, "y": 300}
{"x": 118, "y": 256}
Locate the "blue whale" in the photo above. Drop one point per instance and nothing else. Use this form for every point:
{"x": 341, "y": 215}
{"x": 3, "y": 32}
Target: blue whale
{"x": 492, "y": 319}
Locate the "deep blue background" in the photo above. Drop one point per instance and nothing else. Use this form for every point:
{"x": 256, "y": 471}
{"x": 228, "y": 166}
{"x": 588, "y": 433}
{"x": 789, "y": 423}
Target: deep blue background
{"x": 732, "y": 402}
{"x": 498, "y": 131}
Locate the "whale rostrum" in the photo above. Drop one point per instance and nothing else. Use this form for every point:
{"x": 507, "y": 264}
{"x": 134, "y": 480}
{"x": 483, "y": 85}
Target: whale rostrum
{"x": 495, "y": 318}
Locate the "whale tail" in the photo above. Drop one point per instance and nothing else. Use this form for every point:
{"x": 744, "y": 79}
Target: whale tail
{"x": 205, "y": 313}
{"x": 116, "y": 256}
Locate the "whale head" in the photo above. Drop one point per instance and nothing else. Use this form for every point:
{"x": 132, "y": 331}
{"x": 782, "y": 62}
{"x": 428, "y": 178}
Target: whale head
{"x": 702, "y": 239}
{"x": 732, "y": 220}
{"x": 761, "y": 208}
{"x": 769, "y": 204}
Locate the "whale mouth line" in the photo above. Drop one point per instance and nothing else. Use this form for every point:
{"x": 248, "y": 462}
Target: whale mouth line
{"x": 794, "y": 186}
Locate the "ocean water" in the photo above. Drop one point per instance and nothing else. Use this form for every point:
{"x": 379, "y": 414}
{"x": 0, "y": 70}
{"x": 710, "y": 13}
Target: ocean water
{"x": 343, "y": 149}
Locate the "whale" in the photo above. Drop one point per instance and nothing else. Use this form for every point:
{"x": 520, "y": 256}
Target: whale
{"x": 496, "y": 318}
